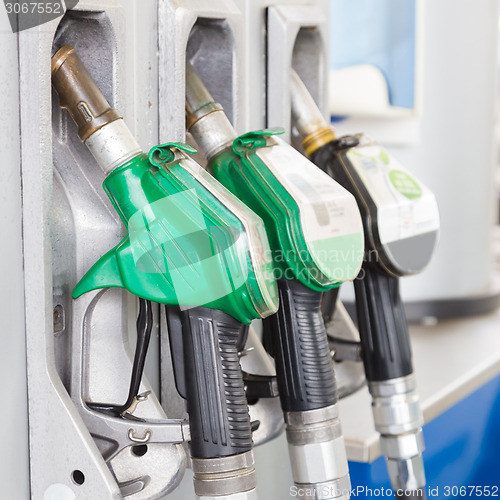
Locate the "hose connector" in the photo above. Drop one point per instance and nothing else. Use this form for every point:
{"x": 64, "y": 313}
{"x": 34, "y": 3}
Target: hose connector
{"x": 317, "y": 454}
{"x": 232, "y": 477}
{"x": 399, "y": 420}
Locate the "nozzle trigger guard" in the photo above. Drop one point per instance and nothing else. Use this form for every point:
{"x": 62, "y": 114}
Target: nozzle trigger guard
{"x": 255, "y": 139}
{"x": 163, "y": 153}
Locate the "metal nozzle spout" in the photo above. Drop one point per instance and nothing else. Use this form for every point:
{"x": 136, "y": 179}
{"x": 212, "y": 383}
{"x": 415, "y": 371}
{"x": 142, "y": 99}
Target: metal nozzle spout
{"x": 198, "y": 98}
{"x": 100, "y": 126}
{"x": 79, "y": 94}
{"x": 407, "y": 476}
{"x": 307, "y": 117}
{"x": 205, "y": 118}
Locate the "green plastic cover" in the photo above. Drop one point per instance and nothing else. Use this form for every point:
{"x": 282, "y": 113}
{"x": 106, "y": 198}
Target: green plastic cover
{"x": 190, "y": 242}
{"x": 312, "y": 222}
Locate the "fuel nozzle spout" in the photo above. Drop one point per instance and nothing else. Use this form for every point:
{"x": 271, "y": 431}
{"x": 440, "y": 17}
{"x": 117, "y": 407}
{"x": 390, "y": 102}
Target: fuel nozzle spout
{"x": 205, "y": 118}
{"x": 199, "y": 101}
{"x": 307, "y": 118}
{"x": 100, "y": 126}
{"x": 79, "y": 94}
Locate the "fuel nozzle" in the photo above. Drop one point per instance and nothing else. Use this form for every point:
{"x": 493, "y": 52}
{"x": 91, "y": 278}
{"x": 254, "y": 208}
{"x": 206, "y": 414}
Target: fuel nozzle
{"x": 307, "y": 117}
{"x": 385, "y": 341}
{"x": 100, "y": 126}
{"x": 205, "y": 118}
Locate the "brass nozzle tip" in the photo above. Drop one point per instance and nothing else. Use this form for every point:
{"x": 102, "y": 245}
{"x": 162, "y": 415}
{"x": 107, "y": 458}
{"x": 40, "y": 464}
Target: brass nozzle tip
{"x": 79, "y": 94}
{"x": 60, "y": 56}
{"x": 317, "y": 139}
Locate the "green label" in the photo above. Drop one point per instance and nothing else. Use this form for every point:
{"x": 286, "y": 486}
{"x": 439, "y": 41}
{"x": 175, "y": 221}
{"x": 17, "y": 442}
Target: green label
{"x": 405, "y": 184}
{"x": 384, "y": 157}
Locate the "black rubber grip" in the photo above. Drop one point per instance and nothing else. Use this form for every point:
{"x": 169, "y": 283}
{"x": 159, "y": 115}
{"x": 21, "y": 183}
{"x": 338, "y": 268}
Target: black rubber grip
{"x": 208, "y": 375}
{"x": 382, "y": 325}
{"x": 297, "y": 336}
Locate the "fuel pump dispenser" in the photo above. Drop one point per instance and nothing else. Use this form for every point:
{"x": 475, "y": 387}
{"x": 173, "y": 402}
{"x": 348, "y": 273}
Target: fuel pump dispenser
{"x": 401, "y": 224}
{"x": 315, "y": 231}
{"x": 193, "y": 246}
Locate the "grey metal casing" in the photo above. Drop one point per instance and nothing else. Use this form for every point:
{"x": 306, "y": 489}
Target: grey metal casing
{"x": 297, "y": 36}
{"x": 14, "y": 469}
{"x": 211, "y": 35}
{"x": 68, "y": 223}
{"x": 271, "y": 28}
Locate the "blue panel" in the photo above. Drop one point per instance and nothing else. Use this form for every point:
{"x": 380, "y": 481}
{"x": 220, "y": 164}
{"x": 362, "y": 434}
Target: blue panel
{"x": 380, "y": 33}
{"x": 462, "y": 448}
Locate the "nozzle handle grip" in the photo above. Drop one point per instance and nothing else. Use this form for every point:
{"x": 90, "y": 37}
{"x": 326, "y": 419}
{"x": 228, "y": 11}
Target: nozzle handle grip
{"x": 297, "y": 339}
{"x": 208, "y": 375}
{"x": 382, "y": 325}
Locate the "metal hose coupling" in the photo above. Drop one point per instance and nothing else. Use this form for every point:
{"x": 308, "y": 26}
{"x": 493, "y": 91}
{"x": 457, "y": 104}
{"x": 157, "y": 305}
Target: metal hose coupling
{"x": 100, "y": 126}
{"x": 399, "y": 420}
{"x": 317, "y": 454}
{"x": 230, "y": 478}
{"x": 205, "y": 118}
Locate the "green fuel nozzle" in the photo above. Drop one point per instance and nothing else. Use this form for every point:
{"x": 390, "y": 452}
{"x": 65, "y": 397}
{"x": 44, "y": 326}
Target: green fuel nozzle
{"x": 189, "y": 242}
{"x": 401, "y": 223}
{"x": 316, "y": 236}
{"x": 193, "y": 246}
{"x": 313, "y": 224}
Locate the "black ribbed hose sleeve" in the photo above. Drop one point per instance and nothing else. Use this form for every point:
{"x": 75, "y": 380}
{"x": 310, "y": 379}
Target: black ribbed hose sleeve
{"x": 297, "y": 336}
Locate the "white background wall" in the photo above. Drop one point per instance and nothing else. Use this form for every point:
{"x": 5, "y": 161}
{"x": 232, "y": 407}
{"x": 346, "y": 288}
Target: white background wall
{"x": 454, "y": 149}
